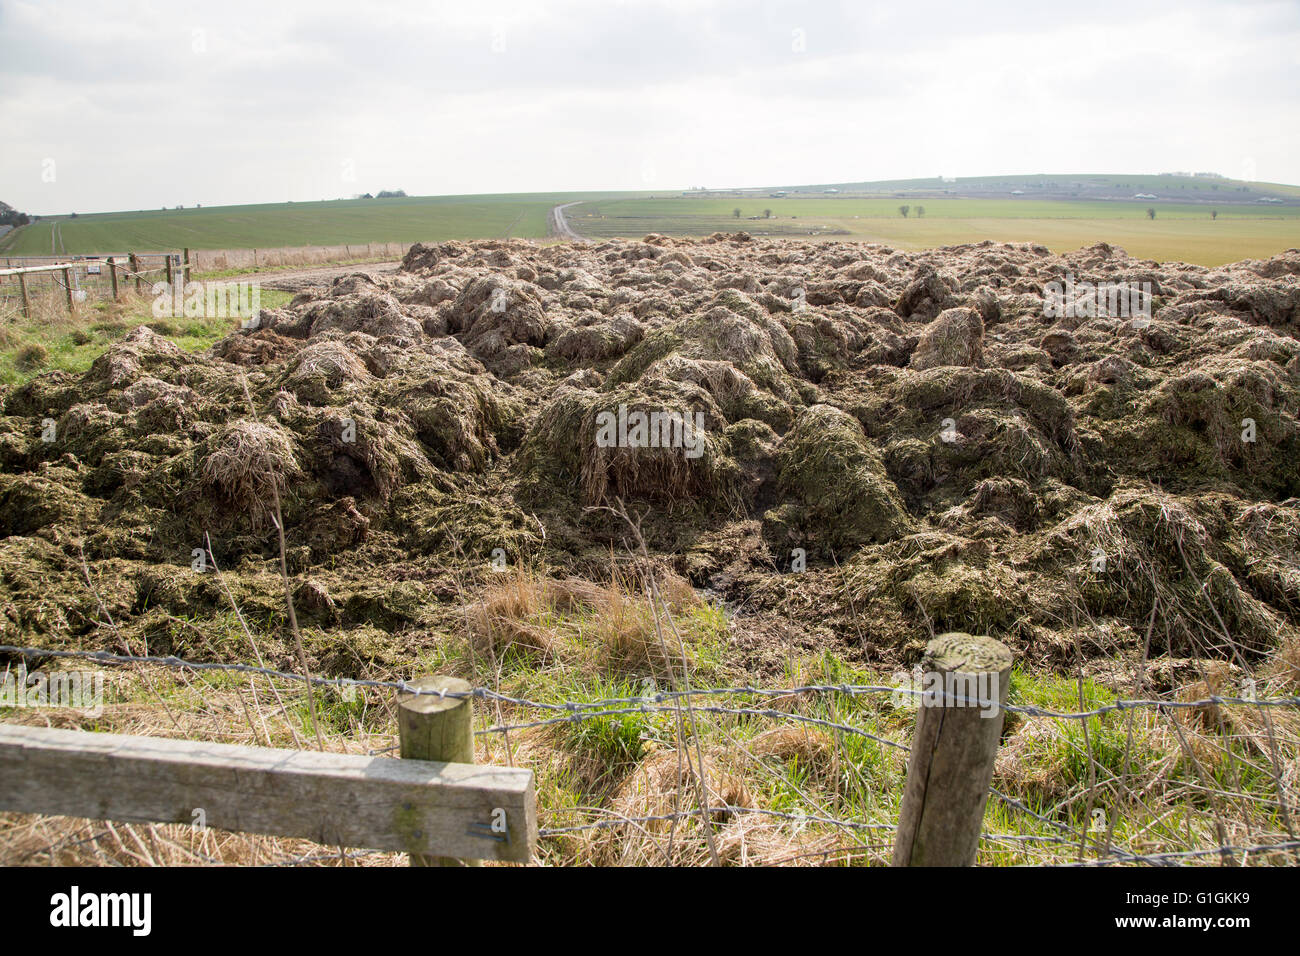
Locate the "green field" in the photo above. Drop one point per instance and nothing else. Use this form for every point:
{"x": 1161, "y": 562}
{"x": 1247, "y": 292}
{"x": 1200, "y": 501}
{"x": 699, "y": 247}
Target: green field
{"x": 1061, "y": 212}
{"x": 845, "y": 207}
{"x": 412, "y": 219}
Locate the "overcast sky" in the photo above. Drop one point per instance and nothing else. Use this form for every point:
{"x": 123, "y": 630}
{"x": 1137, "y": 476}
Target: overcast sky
{"x": 130, "y": 105}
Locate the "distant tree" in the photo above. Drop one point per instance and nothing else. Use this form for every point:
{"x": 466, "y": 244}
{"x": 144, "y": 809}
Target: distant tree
{"x": 920, "y": 211}
{"x": 9, "y": 216}
{"x": 1151, "y": 213}
{"x": 904, "y": 210}
{"x": 390, "y": 194}
{"x": 767, "y": 214}
{"x": 74, "y": 215}
{"x": 1214, "y": 214}
{"x": 735, "y": 213}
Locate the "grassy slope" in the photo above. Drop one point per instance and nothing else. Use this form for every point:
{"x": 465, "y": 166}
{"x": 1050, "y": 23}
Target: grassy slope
{"x": 429, "y": 218}
{"x": 1181, "y": 231}
{"x": 1163, "y": 186}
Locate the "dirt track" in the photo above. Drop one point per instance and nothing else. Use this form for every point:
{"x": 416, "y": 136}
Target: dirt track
{"x": 298, "y": 280}
{"x": 560, "y": 226}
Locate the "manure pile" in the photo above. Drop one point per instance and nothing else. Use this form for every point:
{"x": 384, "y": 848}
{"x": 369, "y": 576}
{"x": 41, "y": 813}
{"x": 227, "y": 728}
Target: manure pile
{"x": 910, "y": 429}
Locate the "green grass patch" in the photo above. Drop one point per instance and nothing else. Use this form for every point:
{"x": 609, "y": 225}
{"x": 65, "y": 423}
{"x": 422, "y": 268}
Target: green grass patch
{"x": 52, "y": 341}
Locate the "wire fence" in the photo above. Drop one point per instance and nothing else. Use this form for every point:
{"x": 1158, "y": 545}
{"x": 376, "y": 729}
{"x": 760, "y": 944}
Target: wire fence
{"x": 80, "y": 282}
{"x": 731, "y": 701}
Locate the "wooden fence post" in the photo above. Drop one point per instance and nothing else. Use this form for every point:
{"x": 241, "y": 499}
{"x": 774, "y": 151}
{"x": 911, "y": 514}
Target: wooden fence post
{"x": 186, "y": 271}
{"x": 134, "y": 260}
{"x": 112, "y": 274}
{"x": 67, "y": 288}
{"x": 22, "y": 287}
{"x": 437, "y": 728}
{"x": 958, "y": 728}
{"x": 168, "y": 257}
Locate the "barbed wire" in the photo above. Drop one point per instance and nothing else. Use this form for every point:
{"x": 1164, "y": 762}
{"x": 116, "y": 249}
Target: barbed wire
{"x": 636, "y": 702}
{"x": 669, "y": 701}
{"x": 1289, "y": 846}
{"x": 583, "y": 715}
{"x": 797, "y": 817}
{"x": 694, "y": 814}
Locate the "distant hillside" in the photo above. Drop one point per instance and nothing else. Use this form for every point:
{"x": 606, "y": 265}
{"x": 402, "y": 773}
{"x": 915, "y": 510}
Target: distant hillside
{"x": 1173, "y": 187}
{"x": 265, "y": 226}
{"x": 1196, "y": 218}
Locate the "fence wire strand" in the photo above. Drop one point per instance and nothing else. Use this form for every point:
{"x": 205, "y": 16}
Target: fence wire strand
{"x": 666, "y": 701}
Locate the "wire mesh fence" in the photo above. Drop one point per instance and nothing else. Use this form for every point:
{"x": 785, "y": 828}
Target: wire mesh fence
{"x": 81, "y": 280}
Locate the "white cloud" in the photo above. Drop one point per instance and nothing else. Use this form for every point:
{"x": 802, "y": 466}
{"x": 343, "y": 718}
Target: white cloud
{"x": 143, "y": 105}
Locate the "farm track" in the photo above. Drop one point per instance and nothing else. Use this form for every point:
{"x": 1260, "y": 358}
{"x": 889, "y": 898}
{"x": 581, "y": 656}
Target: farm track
{"x": 560, "y": 225}
{"x": 515, "y": 222}
{"x": 298, "y": 280}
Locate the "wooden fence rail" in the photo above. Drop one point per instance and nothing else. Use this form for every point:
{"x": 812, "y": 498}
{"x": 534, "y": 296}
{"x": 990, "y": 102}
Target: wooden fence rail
{"x": 22, "y": 274}
{"x": 83, "y": 274}
{"x": 425, "y": 808}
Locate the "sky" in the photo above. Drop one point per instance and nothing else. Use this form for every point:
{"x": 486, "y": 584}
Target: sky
{"x": 138, "y": 105}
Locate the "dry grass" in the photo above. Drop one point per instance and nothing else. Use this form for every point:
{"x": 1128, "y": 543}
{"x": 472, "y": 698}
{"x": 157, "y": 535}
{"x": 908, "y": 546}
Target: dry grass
{"x": 569, "y": 621}
{"x": 503, "y": 620}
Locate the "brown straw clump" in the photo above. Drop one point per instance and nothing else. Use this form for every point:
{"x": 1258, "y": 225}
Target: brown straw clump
{"x": 249, "y": 465}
